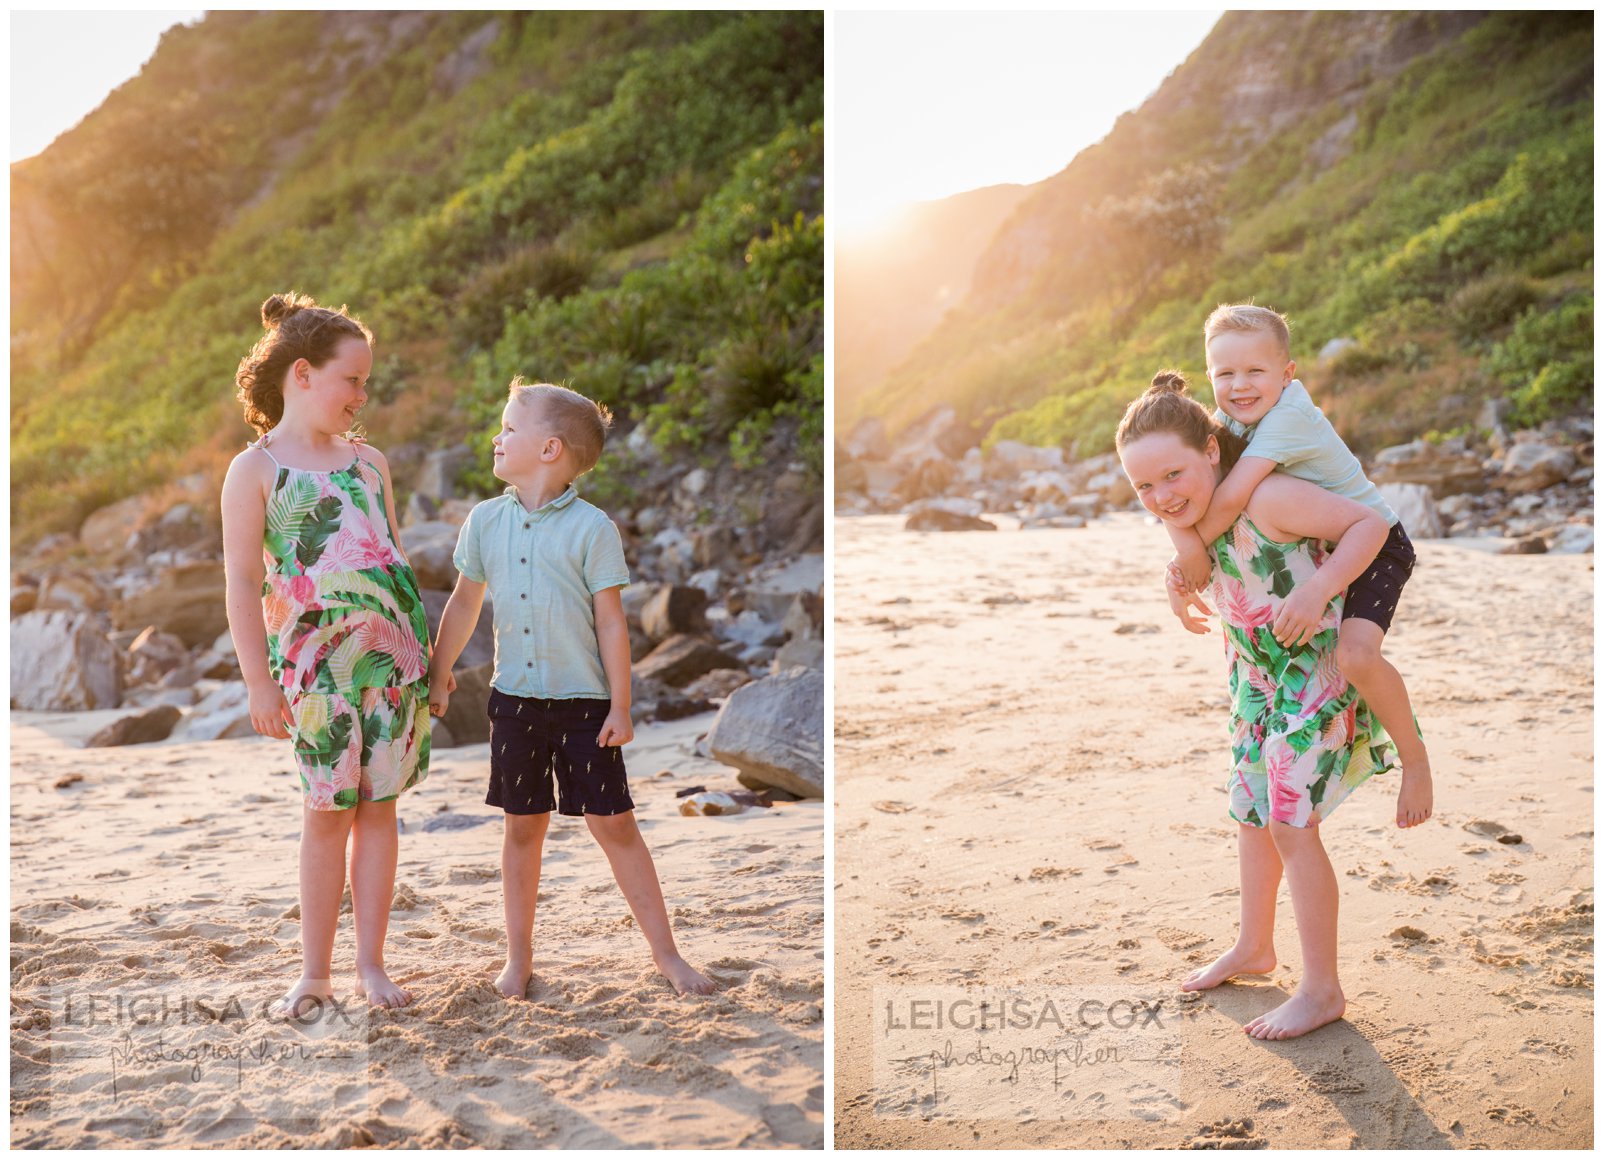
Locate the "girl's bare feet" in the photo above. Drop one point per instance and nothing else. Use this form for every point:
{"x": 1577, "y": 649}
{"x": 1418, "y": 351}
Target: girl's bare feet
{"x": 373, "y": 984}
{"x": 687, "y": 979}
{"x": 514, "y": 979}
{"x": 1299, "y": 1015}
{"x": 1239, "y": 960}
{"x": 1414, "y": 796}
{"x": 304, "y": 1000}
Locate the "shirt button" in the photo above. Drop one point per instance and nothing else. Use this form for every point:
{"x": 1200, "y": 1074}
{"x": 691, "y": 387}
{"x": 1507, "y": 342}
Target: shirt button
{"x": 523, "y": 596}
{"x": 526, "y": 527}
{"x": 529, "y": 664}
{"x": 526, "y": 632}
{"x": 523, "y": 560}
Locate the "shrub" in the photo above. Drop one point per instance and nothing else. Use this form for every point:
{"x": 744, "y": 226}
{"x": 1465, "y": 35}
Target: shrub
{"x": 1489, "y": 305}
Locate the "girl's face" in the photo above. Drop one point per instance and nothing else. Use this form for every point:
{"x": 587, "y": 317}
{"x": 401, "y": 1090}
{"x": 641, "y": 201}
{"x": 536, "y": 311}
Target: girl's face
{"x": 338, "y": 388}
{"x": 1174, "y": 482}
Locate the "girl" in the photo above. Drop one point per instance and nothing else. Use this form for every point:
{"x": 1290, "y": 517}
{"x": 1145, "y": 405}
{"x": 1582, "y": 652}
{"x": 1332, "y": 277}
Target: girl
{"x": 1301, "y": 737}
{"x": 328, "y": 624}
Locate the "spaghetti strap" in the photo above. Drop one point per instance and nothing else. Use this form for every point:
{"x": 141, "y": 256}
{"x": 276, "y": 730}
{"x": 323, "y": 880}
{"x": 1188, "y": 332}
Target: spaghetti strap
{"x": 261, "y": 445}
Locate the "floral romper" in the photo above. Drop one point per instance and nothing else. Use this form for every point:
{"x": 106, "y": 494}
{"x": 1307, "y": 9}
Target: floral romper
{"x": 1301, "y": 737}
{"x": 347, "y": 639}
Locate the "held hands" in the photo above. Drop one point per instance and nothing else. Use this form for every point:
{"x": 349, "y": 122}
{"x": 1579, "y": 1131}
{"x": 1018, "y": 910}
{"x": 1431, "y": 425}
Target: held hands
{"x": 1300, "y": 616}
{"x": 440, "y": 692}
{"x": 1182, "y": 604}
{"x": 270, "y": 712}
{"x": 617, "y": 729}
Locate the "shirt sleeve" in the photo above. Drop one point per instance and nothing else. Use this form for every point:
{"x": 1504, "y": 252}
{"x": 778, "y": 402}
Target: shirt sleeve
{"x": 467, "y": 558}
{"x": 1287, "y": 435}
{"x": 604, "y": 559}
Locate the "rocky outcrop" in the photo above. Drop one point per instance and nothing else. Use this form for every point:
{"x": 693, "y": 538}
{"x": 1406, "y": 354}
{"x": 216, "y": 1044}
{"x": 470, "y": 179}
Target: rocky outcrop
{"x": 186, "y": 600}
{"x": 154, "y": 724}
{"x": 62, "y": 661}
{"x": 773, "y": 732}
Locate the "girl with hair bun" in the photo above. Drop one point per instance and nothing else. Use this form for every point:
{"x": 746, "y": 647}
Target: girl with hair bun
{"x": 328, "y": 623}
{"x": 1301, "y": 738}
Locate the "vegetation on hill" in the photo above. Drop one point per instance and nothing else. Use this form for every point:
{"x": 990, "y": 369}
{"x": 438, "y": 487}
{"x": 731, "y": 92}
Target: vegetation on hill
{"x": 1419, "y": 183}
{"x": 630, "y": 203}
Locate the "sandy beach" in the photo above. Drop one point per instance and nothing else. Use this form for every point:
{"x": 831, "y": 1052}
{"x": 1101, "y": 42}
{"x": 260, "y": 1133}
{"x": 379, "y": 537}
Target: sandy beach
{"x": 1030, "y": 758}
{"x": 153, "y": 894}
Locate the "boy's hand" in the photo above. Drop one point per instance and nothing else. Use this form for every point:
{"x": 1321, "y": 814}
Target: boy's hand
{"x": 1182, "y": 603}
{"x": 1194, "y": 564}
{"x": 440, "y": 690}
{"x": 270, "y": 712}
{"x": 1300, "y": 616}
{"x": 617, "y": 729}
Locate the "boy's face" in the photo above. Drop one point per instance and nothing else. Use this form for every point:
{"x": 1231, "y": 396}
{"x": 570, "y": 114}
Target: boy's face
{"x": 1249, "y": 371}
{"x": 526, "y": 442}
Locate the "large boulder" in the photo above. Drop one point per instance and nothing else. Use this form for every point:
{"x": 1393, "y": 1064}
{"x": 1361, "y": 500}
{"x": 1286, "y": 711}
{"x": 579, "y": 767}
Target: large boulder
{"x": 773, "y": 732}
{"x": 680, "y": 659}
{"x": 770, "y": 592}
{"x": 1412, "y": 502}
{"x": 1532, "y": 466}
{"x": 674, "y": 609}
{"x": 153, "y": 724}
{"x": 154, "y": 654}
{"x": 110, "y": 530}
{"x": 437, "y": 479}
{"x": 70, "y": 592}
{"x": 927, "y": 478}
{"x": 1447, "y": 468}
{"x": 187, "y": 600}
{"x": 62, "y": 661}
{"x": 428, "y": 547}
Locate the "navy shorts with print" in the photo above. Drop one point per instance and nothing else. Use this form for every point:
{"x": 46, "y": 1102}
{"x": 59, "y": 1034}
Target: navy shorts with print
{"x": 1374, "y": 595}
{"x": 544, "y": 756}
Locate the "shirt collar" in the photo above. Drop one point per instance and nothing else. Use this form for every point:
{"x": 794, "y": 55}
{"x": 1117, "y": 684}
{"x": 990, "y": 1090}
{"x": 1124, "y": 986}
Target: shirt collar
{"x": 568, "y": 496}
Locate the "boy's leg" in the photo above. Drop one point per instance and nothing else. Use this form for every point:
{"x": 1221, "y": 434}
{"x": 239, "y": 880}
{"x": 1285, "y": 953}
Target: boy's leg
{"x": 1382, "y": 687}
{"x": 1259, "y": 867}
{"x": 322, "y": 857}
{"x": 373, "y": 858}
{"x": 1313, "y": 885}
{"x": 521, "y": 847}
{"x": 626, "y": 852}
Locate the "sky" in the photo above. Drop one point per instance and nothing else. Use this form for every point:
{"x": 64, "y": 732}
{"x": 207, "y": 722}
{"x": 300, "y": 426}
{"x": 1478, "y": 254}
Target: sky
{"x": 63, "y": 64}
{"x": 926, "y": 105}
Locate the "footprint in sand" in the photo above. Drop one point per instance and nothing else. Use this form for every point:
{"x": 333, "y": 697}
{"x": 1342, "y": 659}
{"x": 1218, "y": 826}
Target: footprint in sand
{"x": 1179, "y": 940}
{"x": 1227, "y": 1133}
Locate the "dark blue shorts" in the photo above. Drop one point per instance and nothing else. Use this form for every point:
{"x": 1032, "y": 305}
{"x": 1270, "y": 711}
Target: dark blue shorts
{"x": 1374, "y": 595}
{"x": 544, "y": 757}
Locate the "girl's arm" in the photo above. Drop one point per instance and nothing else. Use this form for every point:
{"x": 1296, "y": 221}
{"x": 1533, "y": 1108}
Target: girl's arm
{"x": 244, "y": 521}
{"x": 1288, "y": 508}
{"x": 612, "y": 639}
{"x": 376, "y": 457}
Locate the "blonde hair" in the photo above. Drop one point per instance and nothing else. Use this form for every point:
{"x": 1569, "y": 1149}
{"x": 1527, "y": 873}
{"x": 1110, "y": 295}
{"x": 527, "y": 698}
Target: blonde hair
{"x": 1244, "y": 317}
{"x": 581, "y": 423}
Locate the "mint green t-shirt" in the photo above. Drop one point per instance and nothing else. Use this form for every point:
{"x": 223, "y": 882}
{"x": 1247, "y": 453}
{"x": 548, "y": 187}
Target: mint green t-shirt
{"x": 1296, "y": 435}
{"x": 543, "y": 569}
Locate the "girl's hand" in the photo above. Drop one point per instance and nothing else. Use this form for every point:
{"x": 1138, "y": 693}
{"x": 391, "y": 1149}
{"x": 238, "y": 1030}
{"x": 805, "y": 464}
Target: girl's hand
{"x": 617, "y": 729}
{"x": 1182, "y": 604}
{"x": 1300, "y": 616}
{"x": 270, "y": 712}
{"x": 440, "y": 691}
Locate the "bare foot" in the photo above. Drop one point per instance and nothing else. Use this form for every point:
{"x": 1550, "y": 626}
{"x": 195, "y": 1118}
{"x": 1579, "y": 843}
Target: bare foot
{"x": 304, "y": 1000}
{"x": 1236, "y": 961}
{"x": 687, "y": 979}
{"x": 1414, "y": 797}
{"x": 1299, "y": 1015}
{"x": 376, "y": 986}
{"x": 514, "y": 979}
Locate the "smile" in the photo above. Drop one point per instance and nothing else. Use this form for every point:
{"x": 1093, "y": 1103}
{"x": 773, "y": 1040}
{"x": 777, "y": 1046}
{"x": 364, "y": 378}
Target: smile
{"x": 1175, "y": 509}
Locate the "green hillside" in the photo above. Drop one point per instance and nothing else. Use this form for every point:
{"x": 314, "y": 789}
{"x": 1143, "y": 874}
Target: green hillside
{"x": 630, "y": 203}
{"x": 1419, "y": 183}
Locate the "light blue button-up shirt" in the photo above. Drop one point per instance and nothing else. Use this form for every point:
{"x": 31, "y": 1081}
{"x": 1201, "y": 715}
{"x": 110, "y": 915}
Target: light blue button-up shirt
{"x": 543, "y": 569}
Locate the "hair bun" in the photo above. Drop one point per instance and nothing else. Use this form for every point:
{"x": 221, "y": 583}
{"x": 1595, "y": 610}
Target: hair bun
{"x": 1168, "y": 381}
{"x": 280, "y": 306}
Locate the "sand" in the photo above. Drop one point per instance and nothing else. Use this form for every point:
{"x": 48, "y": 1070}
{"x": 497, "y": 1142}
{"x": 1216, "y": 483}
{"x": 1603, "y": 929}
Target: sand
{"x": 1029, "y": 765}
{"x": 168, "y": 874}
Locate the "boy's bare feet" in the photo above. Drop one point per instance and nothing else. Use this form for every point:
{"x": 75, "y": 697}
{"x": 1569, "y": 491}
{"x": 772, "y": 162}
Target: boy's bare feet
{"x": 1299, "y": 1015}
{"x": 514, "y": 979}
{"x": 687, "y": 979}
{"x": 1236, "y": 961}
{"x": 374, "y": 985}
{"x": 1414, "y": 796}
{"x": 304, "y": 999}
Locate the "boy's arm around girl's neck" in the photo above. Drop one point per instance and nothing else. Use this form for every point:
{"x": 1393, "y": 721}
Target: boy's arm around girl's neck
{"x": 1229, "y": 501}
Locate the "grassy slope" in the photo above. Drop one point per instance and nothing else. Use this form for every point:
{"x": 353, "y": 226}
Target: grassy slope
{"x": 627, "y": 202}
{"x": 1453, "y": 240}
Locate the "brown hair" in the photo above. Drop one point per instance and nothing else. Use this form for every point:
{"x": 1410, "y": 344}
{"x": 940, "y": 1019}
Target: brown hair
{"x": 1166, "y": 407}
{"x": 581, "y": 423}
{"x": 1243, "y": 317}
{"x": 297, "y": 328}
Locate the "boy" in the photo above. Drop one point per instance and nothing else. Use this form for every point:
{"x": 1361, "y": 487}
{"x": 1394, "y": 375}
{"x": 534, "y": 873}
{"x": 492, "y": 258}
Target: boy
{"x": 560, "y": 692}
{"x": 1248, "y": 353}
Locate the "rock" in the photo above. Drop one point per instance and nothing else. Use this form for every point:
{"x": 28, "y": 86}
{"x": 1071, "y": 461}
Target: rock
{"x": 109, "y": 531}
{"x": 186, "y": 600}
{"x": 1009, "y": 459}
{"x": 928, "y": 478}
{"x": 851, "y": 477}
{"x": 1113, "y": 488}
{"x": 144, "y": 698}
{"x": 868, "y": 440}
{"x": 773, "y": 730}
{"x": 224, "y": 712}
{"x": 62, "y": 661}
{"x": 1447, "y": 468}
{"x": 634, "y": 598}
{"x": 713, "y": 804}
{"x": 138, "y": 729}
{"x": 440, "y": 734}
{"x": 154, "y": 654}
{"x": 672, "y": 705}
{"x": 1455, "y": 509}
{"x": 717, "y": 685}
{"x": 429, "y": 547}
{"x": 695, "y": 482}
{"x": 936, "y": 435}
{"x": 674, "y": 609}
{"x": 708, "y": 580}
{"x": 438, "y": 477}
{"x": 465, "y": 717}
{"x": 1336, "y": 347}
{"x": 24, "y": 598}
{"x": 953, "y": 505}
{"x": 420, "y": 509}
{"x": 749, "y": 628}
{"x": 770, "y": 592}
{"x": 1412, "y": 502}
{"x": 481, "y": 646}
{"x": 1531, "y": 466}
{"x": 714, "y": 548}
{"x": 70, "y": 592}
{"x": 805, "y": 617}
{"x": 1533, "y": 545}
{"x": 1572, "y": 538}
{"x": 676, "y": 554}
{"x": 793, "y": 517}
{"x": 805, "y": 651}
{"x": 936, "y": 520}
{"x": 681, "y": 659}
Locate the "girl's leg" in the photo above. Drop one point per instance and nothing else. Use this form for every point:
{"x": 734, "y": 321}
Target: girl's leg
{"x": 1259, "y": 866}
{"x": 323, "y": 838}
{"x": 1318, "y": 999}
{"x": 626, "y": 852}
{"x": 521, "y": 847}
{"x": 373, "y": 857}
